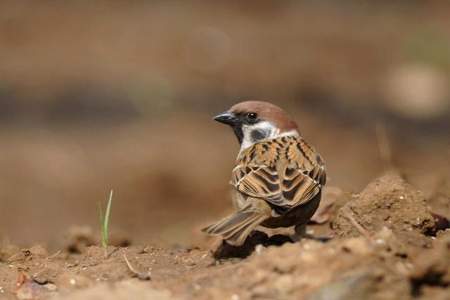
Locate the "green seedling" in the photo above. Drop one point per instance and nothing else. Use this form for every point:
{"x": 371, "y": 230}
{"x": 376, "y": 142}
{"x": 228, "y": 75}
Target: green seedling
{"x": 104, "y": 220}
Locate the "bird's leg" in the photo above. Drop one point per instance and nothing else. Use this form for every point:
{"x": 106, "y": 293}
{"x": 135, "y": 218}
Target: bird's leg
{"x": 299, "y": 232}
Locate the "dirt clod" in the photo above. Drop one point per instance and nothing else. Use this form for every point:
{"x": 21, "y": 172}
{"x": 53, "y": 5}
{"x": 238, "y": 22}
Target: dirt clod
{"x": 79, "y": 238}
{"x": 432, "y": 267}
{"x": 388, "y": 201}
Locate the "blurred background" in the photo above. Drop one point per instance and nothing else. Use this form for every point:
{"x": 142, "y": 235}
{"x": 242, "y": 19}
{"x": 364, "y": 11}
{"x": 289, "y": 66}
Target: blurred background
{"x": 100, "y": 95}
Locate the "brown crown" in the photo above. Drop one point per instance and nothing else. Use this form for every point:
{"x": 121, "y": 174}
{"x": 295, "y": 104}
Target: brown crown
{"x": 268, "y": 112}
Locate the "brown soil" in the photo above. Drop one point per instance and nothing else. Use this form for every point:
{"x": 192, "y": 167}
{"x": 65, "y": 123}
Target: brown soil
{"x": 116, "y": 95}
{"x": 386, "y": 244}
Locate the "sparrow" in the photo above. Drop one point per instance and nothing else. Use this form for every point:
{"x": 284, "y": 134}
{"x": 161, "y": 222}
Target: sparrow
{"x": 278, "y": 177}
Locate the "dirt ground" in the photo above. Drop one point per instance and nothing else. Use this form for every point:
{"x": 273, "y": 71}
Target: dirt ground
{"x": 100, "y": 95}
{"x": 387, "y": 242}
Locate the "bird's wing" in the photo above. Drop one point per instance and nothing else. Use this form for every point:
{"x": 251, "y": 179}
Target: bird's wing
{"x": 285, "y": 172}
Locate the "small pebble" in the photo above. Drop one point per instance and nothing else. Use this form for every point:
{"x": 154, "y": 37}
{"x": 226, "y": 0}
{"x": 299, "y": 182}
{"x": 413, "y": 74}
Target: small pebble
{"x": 380, "y": 241}
{"x": 259, "y": 249}
{"x": 51, "y": 287}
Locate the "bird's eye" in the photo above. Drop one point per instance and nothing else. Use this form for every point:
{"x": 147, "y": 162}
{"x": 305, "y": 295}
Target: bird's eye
{"x": 252, "y": 116}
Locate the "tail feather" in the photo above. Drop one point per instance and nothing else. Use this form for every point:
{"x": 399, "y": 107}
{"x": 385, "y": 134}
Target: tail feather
{"x": 235, "y": 228}
{"x": 239, "y": 236}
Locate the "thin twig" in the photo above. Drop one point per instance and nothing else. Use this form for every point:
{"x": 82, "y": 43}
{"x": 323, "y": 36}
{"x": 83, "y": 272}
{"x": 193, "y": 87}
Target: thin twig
{"x": 13, "y": 257}
{"x": 54, "y": 255}
{"x": 139, "y": 275}
{"x": 355, "y": 223}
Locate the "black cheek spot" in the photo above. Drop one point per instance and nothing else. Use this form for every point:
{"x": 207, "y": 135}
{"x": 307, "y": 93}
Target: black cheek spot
{"x": 257, "y": 135}
{"x": 239, "y": 133}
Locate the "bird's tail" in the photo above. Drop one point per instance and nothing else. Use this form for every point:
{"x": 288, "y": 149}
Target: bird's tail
{"x": 235, "y": 228}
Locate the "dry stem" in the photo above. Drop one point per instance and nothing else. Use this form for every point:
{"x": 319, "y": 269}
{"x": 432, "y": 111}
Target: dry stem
{"x": 139, "y": 275}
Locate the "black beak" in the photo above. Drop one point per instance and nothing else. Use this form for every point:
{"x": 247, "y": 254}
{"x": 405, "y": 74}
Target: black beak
{"x": 227, "y": 118}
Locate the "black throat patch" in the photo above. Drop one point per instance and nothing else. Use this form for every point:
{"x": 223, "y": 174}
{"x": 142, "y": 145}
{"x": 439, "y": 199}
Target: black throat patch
{"x": 239, "y": 133}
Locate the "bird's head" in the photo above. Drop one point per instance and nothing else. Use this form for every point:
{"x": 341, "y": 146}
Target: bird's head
{"x": 253, "y": 121}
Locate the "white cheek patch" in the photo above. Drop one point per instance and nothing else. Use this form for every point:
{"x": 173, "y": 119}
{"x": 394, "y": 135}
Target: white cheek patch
{"x": 259, "y": 131}
{"x": 262, "y": 131}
